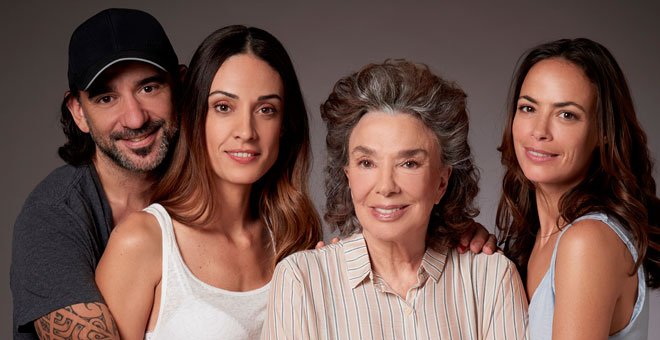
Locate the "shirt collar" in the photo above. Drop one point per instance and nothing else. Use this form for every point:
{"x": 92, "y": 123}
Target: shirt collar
{"x": 358, "y": 265}
{"x": 433, "y": 262}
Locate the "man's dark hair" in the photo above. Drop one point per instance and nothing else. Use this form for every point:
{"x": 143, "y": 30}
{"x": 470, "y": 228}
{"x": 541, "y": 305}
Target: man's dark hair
{"x": 79, "y": 147}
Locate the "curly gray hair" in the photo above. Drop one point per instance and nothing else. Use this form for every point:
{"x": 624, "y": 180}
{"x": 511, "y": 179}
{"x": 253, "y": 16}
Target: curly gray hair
{"x": 399, "y": 86}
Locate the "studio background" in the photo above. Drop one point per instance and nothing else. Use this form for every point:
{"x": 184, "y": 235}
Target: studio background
{"x": 476, "y": 44}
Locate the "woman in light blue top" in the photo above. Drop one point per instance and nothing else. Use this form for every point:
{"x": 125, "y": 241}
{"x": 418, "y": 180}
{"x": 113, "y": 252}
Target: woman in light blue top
{"x": 578, "y": 212}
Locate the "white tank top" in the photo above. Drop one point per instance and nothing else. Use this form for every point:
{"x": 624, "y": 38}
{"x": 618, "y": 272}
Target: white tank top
{"x": 192, "y": 309}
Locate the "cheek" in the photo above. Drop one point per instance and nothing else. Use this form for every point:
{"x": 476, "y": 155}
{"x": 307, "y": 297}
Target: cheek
{"x": 424, "y": 186}
{"x": 162, "y": 105}
{"x": 270, "y": 134}
{"x": 360, "y": 183}
{"x": 517, "y": 130}
{"x": 216, "y": 130}
{"x": 584, "y": 146}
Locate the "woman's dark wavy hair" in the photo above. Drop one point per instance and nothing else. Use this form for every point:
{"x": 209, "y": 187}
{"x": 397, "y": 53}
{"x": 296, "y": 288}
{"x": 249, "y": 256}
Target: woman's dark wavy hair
{"x": 280, "y": 198}
{"x": 402, "y": 87}
{"x": 619, "y": 181}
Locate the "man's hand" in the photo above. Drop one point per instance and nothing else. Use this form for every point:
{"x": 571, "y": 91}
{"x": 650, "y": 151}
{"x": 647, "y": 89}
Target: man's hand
{"x": 79, "y": 321}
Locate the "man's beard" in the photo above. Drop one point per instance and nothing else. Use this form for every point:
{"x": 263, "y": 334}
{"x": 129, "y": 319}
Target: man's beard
{"x": 109, "y": 147}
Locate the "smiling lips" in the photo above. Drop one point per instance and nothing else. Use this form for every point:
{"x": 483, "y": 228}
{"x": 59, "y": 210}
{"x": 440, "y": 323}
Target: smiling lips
{"x": 539, "y": 155}
{"x": 242, "y": 156}
{"x": 140, "y": 141}
{"x": 388, "y": 213}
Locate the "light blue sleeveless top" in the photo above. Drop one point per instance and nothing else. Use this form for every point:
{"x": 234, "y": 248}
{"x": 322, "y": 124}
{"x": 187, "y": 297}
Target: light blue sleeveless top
{"x": 542, "y": 305}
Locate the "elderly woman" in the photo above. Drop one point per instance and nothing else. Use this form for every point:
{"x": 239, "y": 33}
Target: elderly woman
{"x": 400, "y": 186}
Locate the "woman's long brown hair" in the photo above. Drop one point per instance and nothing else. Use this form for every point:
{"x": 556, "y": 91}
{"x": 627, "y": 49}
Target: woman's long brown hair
{"x": 280, "y": 198}
{"x": 619, "y": 181}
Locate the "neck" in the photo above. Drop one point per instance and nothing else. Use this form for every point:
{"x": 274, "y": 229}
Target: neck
{"x": 232, "y": 213}
{"x": 547, "y": 204}
{"x": 397, "y": 262}
{"x": 127, "y": 191}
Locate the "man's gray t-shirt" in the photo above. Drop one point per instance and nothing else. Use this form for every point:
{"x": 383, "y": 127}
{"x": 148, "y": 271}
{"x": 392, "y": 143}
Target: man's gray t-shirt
{"x": 59, "y": 237}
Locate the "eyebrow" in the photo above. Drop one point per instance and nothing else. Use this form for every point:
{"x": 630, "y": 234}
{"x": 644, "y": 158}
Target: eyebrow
{"x": 413, "y": 152}
{"x": 158, "y": 78}
{"x": 402, "y": 154}
{"x": 234, "y": 96}
{"x": 363, "y": 149}
{"x": 96, "y": 90}
{"x": 102, "y": 87}
{"x": 557, "y": 105}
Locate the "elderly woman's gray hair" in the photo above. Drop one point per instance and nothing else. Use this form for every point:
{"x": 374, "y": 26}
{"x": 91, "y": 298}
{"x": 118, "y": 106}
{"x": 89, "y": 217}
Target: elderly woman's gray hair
{"x": 402, "y": 87}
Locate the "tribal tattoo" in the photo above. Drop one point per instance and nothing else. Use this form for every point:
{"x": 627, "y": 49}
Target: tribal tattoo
{"x": 79, "y": 321}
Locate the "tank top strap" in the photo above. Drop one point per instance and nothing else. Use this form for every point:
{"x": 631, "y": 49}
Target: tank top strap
{"x": 623, "y": 234}
{"x": 164, "y": 221}
{"x": 591, "y": 216}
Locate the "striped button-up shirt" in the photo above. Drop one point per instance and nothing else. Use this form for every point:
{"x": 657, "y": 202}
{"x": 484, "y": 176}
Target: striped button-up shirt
{"x": 332, "y": 293}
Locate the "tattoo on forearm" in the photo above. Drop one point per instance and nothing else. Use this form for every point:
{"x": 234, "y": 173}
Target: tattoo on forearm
{"x": 79, "y": 321}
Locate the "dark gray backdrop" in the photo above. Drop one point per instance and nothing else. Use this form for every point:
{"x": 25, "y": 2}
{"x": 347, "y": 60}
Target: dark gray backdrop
{"x": 475, "y": 43}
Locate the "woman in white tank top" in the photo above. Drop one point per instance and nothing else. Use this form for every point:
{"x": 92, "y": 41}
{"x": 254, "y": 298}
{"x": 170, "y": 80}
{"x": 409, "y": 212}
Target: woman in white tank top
{"x": 579, "y": 213}
{"x": 197, "y": 264}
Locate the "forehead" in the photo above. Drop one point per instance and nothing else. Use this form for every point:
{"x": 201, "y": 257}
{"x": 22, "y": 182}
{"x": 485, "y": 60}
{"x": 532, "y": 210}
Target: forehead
{"x": 247, "y": 71}
{"x": 558, "y": 79}
{"x": 392, "y": 132}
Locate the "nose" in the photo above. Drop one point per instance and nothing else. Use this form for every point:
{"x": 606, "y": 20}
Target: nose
{"x": 387, "y": 185}
{"x": 245, "y": 129}
{"x": 134, "y": 116}
{"x": 541, "y": 128}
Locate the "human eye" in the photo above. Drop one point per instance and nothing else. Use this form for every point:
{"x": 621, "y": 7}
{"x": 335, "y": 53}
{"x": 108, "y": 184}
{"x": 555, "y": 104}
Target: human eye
{"x": 365, "y": 163}
{"x": 103, "y": 99}
{"x": 150, "y": 88}
{"x": 525, "y": 108}
{"x": 267, "y": 110}
{"x": 410, "y": 164}
{"x": 221, "y": 107}
{"x": 567, "y": 115}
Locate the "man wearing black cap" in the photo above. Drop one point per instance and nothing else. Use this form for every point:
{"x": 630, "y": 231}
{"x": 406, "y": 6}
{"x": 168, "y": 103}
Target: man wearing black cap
{"x": 118, "y": 117}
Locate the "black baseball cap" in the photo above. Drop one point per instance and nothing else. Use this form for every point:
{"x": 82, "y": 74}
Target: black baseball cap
{"x": 114, "y": 35}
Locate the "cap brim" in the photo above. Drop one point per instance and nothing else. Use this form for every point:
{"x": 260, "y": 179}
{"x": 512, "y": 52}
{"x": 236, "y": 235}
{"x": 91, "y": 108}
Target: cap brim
{"x": 118, "y": 61}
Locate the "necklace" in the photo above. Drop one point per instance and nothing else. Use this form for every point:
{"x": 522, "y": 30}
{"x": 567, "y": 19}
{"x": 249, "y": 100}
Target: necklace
{"x": 550, "y": 234}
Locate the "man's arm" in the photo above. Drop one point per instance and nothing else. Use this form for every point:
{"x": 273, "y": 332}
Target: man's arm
{"x": 53, "y": 261}
{"x": 80, "y": 321}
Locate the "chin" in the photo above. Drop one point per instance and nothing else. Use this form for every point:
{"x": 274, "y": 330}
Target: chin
{"x": 392, "y": 233}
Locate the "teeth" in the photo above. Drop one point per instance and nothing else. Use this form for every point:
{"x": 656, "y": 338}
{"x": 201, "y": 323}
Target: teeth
{"x": 138, "y": 139}
{"x": 386, "y": 211}
{"x": 241, "y": 154}
{"x": 538, "y": 154}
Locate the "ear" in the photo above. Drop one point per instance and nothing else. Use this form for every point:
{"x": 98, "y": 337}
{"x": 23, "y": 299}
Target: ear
{"x": 348, "y": 179}
{"x": 183, "y": 69}
{"x": 445, "y": 173}
{"x": 77, "y": 112}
